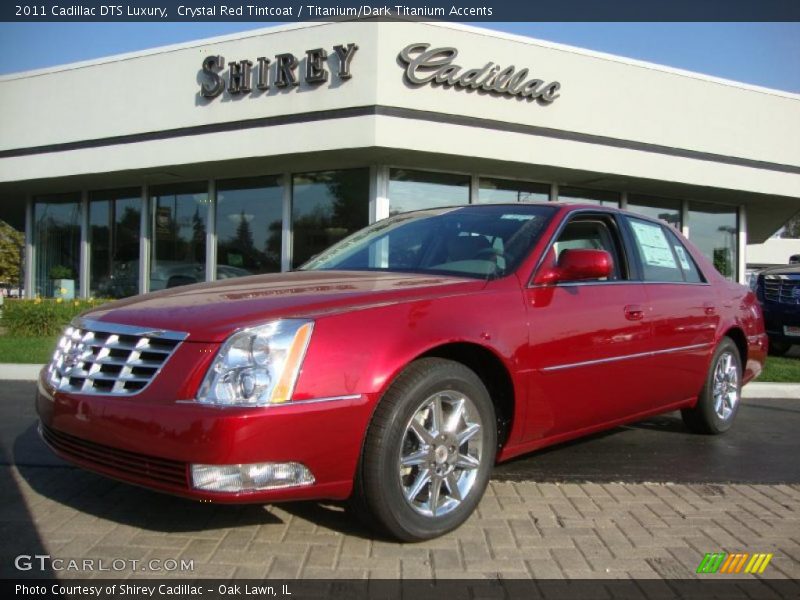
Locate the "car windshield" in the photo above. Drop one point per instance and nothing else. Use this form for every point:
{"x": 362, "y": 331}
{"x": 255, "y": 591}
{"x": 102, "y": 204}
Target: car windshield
{"x": 473, "y": 241}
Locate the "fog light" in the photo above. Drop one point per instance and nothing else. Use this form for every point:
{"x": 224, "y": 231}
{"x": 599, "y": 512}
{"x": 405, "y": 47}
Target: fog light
{"x": 252, "y": 477}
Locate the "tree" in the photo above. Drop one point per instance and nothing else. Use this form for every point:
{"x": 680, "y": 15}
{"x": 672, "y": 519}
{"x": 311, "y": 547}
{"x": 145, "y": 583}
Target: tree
{"x": 11, "y": 241}
{"x": 792, "y": 228}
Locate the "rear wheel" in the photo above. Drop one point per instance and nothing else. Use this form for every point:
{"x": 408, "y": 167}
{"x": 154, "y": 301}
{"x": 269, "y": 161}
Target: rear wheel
{"x": 718, "y": 402}
{"x": 428, "y": 453}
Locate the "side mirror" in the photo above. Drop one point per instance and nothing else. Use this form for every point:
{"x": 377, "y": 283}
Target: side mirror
{"x": 579, "y": 265}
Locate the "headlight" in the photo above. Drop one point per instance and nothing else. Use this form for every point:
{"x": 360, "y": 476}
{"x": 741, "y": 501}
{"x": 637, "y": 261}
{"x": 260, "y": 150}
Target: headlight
{"x": 258, "y": 366}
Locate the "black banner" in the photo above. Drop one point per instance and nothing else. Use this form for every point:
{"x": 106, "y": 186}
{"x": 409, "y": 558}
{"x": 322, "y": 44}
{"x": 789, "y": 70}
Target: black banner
{"x": 427, "y": 10}
{"x": 708, "y": 588}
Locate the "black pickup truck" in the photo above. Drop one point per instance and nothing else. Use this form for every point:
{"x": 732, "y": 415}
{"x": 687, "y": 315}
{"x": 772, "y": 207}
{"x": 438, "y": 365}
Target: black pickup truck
{"x": 778, "y": 290}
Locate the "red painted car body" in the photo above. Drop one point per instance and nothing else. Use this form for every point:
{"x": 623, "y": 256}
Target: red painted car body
{"x": 568, "y": 360}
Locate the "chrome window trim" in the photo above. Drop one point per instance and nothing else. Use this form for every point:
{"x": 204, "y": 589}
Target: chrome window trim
{"x": 625, "y": 282}
{"x": 134, "y": 330}
{"x": 624, "y": 357}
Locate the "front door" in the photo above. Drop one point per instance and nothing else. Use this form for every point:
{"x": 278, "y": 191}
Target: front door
{"x": 587, "y": 339}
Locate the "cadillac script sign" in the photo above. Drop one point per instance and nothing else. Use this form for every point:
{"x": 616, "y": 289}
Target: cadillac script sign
{"x": 437, "y": 66}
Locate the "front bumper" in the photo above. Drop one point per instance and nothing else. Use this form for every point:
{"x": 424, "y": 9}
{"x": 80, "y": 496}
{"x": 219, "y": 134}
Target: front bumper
{"x": 776, "y": 316}
{"x": 152, "y": 444}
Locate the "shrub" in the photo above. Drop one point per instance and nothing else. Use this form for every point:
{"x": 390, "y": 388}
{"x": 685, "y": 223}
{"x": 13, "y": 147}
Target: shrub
{"x": 33, "y": 318}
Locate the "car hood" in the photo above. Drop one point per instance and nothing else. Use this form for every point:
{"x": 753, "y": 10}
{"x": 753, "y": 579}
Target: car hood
{"x": 209, "y": 312}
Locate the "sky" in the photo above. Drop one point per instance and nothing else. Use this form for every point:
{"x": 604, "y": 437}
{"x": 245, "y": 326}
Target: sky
{"x": 764, "y": 54}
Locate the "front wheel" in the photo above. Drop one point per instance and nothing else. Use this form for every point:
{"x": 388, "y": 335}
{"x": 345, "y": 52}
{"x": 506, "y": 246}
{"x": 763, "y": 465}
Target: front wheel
{"x": 778, "y": 347}
{"x": 428, "y": 453}
{"x": 718, "y": 402}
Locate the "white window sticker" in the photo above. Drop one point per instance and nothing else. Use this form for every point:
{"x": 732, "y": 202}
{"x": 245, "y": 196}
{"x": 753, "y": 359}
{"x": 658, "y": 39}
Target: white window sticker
{"x": 654, "y": 245}
{"x": 682, "y": 257}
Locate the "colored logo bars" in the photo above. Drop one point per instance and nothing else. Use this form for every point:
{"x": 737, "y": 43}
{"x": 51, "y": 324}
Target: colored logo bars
{"x": 722, "y": 562}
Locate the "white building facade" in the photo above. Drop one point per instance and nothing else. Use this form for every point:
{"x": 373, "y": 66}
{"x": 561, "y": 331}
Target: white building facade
{"x": 251, "y": 153}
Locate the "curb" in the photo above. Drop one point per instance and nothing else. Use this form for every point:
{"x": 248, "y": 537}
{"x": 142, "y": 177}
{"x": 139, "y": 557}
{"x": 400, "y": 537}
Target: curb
{"x": 19, "y": 372}
{"x": 757, "y": 389}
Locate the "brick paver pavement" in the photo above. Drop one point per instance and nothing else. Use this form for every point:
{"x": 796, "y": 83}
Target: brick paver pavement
{"x": 520, "y": 530}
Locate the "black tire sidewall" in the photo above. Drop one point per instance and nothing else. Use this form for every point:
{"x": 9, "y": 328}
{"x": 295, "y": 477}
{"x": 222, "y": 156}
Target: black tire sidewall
{"x": 395, "y": 513}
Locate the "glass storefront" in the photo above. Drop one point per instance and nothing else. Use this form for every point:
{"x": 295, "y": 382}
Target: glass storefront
{"x": 713, "y": 228}
{"x": 326, "y": 207}
{"x": 507, "y": 190}
{"x": 666, "y": 209}
{"x": 578, "y": 195}
{"x": 415, "y": 190}
{"x": 114, "y": 223}
{"x": 57, "y": 236}
{"x": 178, "y": 229}
{"x": 323, "y": 208}
{"x": 249, "y": 222}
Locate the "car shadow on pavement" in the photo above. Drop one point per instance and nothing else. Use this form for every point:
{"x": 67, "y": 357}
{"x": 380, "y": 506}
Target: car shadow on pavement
{"x": 99, "y": 496}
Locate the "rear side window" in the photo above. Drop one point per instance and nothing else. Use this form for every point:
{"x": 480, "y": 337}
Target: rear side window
{"x": 664, "y": 258}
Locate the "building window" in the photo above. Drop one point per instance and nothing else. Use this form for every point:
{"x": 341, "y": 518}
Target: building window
{"x": 57, "y": 235}
{"x": 326, "y": 207}
{"x": 178, "y": 226}
{"x": 713, "y": 228}
{"x": 249, "y": 222}
{"x": 576, "y": 195}
{"x": 495, "y": 191}
{"x": 665, "y": 209}
{"x": 114, "y": 223}
{"x": 415, "y": 190}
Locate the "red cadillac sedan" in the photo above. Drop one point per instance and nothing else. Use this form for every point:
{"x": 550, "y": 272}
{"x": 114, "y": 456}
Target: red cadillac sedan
{"x": 398, "y": 366}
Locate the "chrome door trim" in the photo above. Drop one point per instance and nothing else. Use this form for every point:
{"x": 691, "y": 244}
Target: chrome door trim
{"x": 598, "y": 361}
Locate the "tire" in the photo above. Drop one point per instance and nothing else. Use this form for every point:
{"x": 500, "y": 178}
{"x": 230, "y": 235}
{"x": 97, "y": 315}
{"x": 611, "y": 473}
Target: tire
{"x": 407, "y": 452}
{"x": 718, "y": 402}
{"x": 778, "y": 347}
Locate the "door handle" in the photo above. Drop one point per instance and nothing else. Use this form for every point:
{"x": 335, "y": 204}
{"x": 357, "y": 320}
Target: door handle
{"x": 634, "y": 312}
{"x": 709, "y": 308}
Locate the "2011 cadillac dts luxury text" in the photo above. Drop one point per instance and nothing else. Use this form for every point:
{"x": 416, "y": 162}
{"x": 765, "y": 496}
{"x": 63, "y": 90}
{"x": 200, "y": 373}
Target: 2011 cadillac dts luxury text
{"x": 399, "y": 365}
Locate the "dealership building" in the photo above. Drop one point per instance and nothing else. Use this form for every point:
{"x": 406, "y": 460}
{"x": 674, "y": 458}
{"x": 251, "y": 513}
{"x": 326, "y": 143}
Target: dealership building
{"x": 251, "y": 153}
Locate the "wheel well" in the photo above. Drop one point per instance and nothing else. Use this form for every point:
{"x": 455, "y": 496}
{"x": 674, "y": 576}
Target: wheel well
{"x": 494, "y": 375}
{"x": 737, "y": 335}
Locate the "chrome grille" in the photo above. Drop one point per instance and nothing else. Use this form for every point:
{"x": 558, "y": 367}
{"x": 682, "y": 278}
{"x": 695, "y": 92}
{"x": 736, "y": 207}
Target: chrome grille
{"x": 93, "y": 357}
{"x": 782, "y": 288}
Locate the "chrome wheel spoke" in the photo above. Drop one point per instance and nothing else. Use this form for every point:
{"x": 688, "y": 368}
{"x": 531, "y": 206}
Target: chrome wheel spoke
{"x": 433, "y": 499}
{"x": 455, "y": 417}
{"x": 419, "y": 430}
{"x": 467, "y": 433}
{"x": 467, "y": 462}
{"x": 415, "y": 458}
{"x": 423, "y": 477}
{"x": 437, "y": 418}
{"x": 452, "y": 487}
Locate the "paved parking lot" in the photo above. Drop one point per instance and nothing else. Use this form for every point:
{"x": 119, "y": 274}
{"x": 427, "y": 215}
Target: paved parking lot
{"x": 645, "y": 501}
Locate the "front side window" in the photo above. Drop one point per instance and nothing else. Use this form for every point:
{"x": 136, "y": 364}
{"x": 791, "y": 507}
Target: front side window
{"x": 479, "y": 242}
{"x": 590, "y": 233}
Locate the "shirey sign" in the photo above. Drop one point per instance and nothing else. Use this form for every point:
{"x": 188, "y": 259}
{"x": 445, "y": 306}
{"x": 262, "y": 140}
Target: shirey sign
{"x": 423, "y": 65}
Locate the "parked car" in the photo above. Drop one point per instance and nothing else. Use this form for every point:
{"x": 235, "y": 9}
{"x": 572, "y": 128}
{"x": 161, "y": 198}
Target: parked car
{"x": 778, "y": 290}
{"x": 398, "y": 366}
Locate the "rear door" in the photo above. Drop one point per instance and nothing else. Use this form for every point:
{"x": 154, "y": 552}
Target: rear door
{"x": 683, "y": 312}
{"x": 587, "y": 338}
